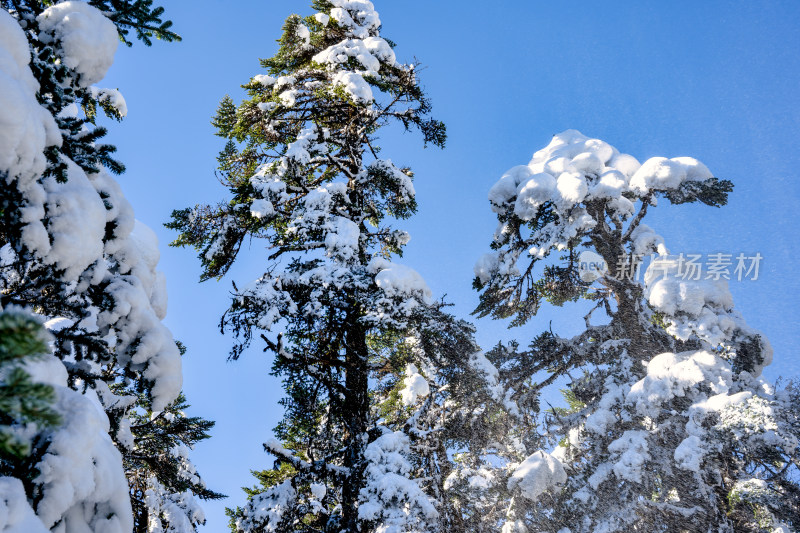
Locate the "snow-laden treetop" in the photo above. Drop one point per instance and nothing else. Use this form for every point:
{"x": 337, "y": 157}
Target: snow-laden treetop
{"x": 579, "y": 193}
{"x": 554, "y": 192}
{"x": 307, "y": 174}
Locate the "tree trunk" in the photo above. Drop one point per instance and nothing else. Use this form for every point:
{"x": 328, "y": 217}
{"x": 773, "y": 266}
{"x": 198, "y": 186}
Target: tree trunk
{"x": 356, "y": 414}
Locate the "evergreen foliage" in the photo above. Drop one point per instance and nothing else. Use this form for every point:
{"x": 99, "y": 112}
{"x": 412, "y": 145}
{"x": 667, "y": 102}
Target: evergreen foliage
{"x": 22, "y": 402}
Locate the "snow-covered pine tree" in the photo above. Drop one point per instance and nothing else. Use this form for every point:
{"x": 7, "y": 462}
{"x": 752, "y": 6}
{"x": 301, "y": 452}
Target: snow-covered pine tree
{"x": 366, "y": 357}
{"x": 670, "y": 427}
{"x": 71, "y": 251}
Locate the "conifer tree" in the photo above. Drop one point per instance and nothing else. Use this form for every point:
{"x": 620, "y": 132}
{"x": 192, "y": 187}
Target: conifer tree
{"x": 71, "y": 251}
{"x": 669, "y": 426}
{"x": 366, "y": 357}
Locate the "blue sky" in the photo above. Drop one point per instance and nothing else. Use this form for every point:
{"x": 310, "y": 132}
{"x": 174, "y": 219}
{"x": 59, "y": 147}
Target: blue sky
{"x": 716, "y": 80}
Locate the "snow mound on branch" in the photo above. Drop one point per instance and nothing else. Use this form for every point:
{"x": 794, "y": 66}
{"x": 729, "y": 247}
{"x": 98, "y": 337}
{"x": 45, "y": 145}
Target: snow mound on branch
{"x": 16, "y": 515}
{"x": 480, "y": 479}
{"x": 667, "y": 291}
{"x": 605, "y": 415}
{"x": 572, "y": 188}
{"x": 77, "y": 223}
{"x": 261, "y": 208}
{"x": 146, "y": 244}
{"x": 696, "y": 307}
{"x": 399, "y": 280}
{"x": 88, "y": 39}
{"x": 289, "y": 98}
{"x": 318, "y": 490}
{"x": 26, "y": 128}
{"x": 537, "y": 474}
{"x": 646, "y": 241}
{"x": 144, "y": 342}
{"x": 611, "y": 184}
{"x": 416, "y": 386}
{"x": 112, "y": 97}
{"x": 533, "y": 192}
{"x": 661, "y": 174}
{"x": 381, "y": 49}
{"x": 304, "y": 34}
{"x": 658, "y": 173}
{"x": 358, "y": 16}
{"x": 368, "y": 52}
{"x": 264, "y": 79}
{"x": 139, "y": 304}
{"x": 486, "y": 267}
{"x": 695, "y": 170}
{"x": 342, "y": 238}
{"x": 341, "y": 52}
{"x": 270, "y": 294}
{"x": 671, "y": 375}
{"x": 14, "y": 52}
{"x": 402, "y": 181}
{"x": 689, "y": 453}
{"x": 81, "y": 475}
{"x": 355, "y": 86}
{"x": 119, "y": 212}
{"x": 47, "y": 369}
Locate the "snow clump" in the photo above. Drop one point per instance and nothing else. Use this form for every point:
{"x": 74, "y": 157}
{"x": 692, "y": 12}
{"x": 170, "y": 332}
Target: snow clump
{"x": 88, "y": 39}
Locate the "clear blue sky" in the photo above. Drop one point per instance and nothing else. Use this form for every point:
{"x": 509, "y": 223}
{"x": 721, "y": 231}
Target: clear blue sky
{"x": 717, "y": 80}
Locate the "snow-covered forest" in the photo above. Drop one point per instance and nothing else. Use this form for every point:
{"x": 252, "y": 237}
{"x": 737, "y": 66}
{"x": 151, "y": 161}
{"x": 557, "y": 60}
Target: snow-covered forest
{"x": 603, "y": 381}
